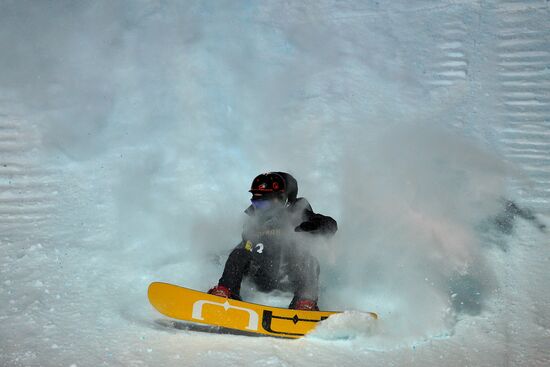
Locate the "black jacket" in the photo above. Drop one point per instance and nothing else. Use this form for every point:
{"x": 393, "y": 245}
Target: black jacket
{"x": 282, "y": 224}
{"x": 300, "y": 214}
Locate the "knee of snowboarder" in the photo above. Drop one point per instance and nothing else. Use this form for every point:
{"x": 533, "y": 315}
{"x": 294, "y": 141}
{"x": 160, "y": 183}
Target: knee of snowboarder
{"x": 239, "y": 253}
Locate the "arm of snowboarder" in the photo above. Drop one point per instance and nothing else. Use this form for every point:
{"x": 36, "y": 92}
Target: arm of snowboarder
{"x": 317, "y": 224}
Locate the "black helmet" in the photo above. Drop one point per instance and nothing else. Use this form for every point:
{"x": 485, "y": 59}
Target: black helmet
{"x": 271, "y": 184}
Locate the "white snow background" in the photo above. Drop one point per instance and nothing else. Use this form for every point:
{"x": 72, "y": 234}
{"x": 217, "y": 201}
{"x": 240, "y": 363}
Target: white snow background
{"x": 130, "y": 132}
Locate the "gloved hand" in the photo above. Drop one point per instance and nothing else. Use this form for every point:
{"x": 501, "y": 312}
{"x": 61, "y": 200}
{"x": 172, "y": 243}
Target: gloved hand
{"x": 307, "y": 227}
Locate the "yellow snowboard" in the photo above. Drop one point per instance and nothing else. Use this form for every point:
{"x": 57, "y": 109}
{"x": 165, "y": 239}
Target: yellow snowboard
{"x": 190, "y": 305}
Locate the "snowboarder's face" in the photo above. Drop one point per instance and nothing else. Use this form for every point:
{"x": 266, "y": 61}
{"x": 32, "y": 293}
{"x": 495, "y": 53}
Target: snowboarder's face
{"x": 265, "y": 203}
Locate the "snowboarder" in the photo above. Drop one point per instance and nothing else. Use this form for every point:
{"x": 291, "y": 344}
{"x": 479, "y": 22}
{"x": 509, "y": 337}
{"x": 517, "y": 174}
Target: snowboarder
{"x": 270, "y": 253}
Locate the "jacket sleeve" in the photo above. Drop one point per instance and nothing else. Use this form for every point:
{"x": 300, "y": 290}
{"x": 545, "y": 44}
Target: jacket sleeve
{"x": 325, "y": 225}
{"x": 316, "y": 223}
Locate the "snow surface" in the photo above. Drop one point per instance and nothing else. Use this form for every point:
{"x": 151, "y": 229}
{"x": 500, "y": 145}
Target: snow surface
{"x": 130, "y": 131}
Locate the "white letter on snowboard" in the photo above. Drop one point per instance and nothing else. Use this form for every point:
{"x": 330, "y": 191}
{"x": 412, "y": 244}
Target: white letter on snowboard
{"x": 253, "y": 316}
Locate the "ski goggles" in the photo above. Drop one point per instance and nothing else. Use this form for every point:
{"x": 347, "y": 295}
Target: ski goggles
{"x": 262, "y": 204}
{"x": 266, "y": 200}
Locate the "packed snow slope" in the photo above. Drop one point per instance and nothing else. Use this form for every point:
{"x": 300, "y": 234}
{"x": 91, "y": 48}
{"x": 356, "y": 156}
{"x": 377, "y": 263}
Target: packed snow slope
{"x": 131, "y": 130}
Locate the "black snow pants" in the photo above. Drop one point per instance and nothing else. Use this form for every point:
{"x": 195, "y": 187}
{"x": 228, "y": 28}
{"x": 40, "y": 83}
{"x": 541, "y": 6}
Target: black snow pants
{"x": 273, "y": 267}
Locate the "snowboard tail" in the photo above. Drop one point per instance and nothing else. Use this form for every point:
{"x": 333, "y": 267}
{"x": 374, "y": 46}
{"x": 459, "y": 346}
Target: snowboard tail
{"x": 190, "y": 305}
